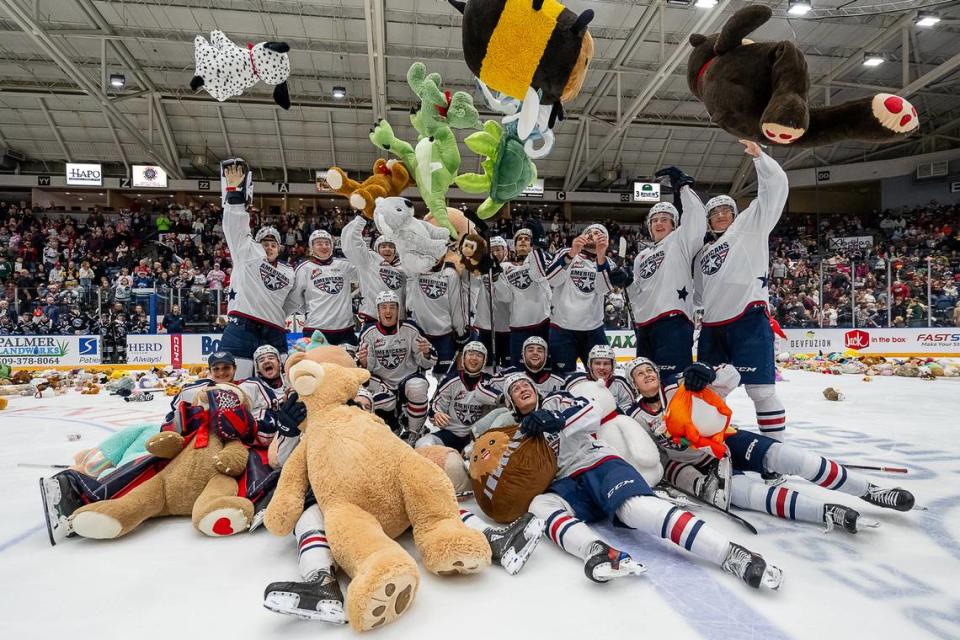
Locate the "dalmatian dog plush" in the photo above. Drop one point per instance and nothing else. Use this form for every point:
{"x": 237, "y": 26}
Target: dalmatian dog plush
{"x": 225, "y": 70}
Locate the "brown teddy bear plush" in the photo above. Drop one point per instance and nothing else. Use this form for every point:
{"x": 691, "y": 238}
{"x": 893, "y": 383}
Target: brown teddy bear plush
{"x": 371, "y": 487}
{"x": 758, "y": 91}
{"x": 389, "y": 179}
{"x": 199, "y": 481}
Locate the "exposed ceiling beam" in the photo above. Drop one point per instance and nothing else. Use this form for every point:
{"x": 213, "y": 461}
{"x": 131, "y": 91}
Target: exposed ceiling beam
{"x": 931, "y": 76}
{"x": 333, "y": 146}
{"x": 873, "y": 43}
{"x": 223, "y": 131}
{"x": 55, "y": 130}
{"x": 376, "y": 56}
{"x": 116, "y": 141}
{"x": 283, "y": 155}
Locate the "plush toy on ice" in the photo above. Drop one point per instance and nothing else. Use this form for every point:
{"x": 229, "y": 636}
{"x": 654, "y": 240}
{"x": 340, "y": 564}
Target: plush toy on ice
{"x": 226, "y": 70}
{"x": 758, "y": 91}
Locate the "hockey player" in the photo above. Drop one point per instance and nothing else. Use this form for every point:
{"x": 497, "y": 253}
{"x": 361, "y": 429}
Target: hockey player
{"x": 378, "y": 269}
{"x": 260, "y": 283}
{"x": 323, "y": 289}
{"x": 594, "y": 483}
{"x": 437, "y": 303}
{"x": 482, "y": 291}
{"x": 74, "y": 323}
{"x": 396, "y": 354}
{"x": 661, "y": 295}
{"x": 524, "y": 289}
{"x": 533, "y": 364}
{"x": 698, "y": 473}
{"x": 731, "y": 283}
{"x": 461, "y": 399}
{"x": 600, "y": 366}
{"x": 580, "y": 277}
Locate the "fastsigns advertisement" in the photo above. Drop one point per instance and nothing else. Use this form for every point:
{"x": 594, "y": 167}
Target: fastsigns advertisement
{"x": 27, "y": 351}
{"x": 919, "y": 341}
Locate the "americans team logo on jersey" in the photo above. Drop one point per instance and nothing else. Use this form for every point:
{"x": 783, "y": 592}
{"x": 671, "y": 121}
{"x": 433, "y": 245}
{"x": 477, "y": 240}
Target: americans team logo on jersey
{"x": 433, "y": 289}
{"x": 519, "y": 278}
{"x": 584, "y": 279}
{"x": 467, "y": 413}
{"x": 272, "y": 279}
{"x": 328, "y": 284}
{"x": 391, "y": 277}
{"x": 390, "y": 357}
{"x": 650, "y": 264}
{"x": 712, "y": 260}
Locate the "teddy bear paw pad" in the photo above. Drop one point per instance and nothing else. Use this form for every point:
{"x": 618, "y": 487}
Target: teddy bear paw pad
{"x": 356, "y": 200}
{"x": 389, "y": 601}
{"x": 99, "y": 526}
{"x": 334, "y": 179}
{"x": 223, "y": 522}
{"x": 895, "y": 113}
{"x": 781, "y": 134}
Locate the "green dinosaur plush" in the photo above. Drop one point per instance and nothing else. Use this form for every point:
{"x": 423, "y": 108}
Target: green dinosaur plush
{"x": 507, "y": 170}
{"x": 435, "y": 160}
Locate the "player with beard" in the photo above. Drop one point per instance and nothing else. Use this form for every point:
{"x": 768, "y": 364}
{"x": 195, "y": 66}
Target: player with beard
{"x": 481, "y": 291}
{"x": 533, "y": 364}
{"x": 523, "y": 287}
{"x": 601, "y": 366}
{"x": 323, "y": 287}
{"x": 378, "y": 269}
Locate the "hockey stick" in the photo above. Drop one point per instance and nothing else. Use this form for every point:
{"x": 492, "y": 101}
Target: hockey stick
{"x": 746, "y": 523}
{"x": 42, "y": 466}
{"x": 866, "y": 467}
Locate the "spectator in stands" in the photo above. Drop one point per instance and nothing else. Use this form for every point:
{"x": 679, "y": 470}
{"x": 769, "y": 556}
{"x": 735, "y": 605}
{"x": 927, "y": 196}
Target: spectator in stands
{"x": 173, "y": 321}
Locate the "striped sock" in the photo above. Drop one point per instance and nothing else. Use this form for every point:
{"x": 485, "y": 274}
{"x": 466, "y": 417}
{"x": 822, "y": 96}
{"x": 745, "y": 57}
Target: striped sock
{"x": 782, "y": 502}
{"x": 313, "y": 551}
{"x": 827, "y": 473}
{"x": 471, "y": 520}
{"x": 661, "y": 518}
{"x": 416, "y": 414}
{"x": 570, "y": 534}
{"x": 682, "y": 475}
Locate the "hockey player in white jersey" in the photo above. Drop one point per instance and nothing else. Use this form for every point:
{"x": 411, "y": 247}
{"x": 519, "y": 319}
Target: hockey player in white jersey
{"x": 492, "y": 324}
{"x": 661, "y": 295}
{"x": 731, "y": 281}
{"x": 323, "y": 289}
{"x": 461, "y": 399}
{"x": 378, "y": 269}
{"x": 601, "y": 365}
{"x": 396, "y": 353}
{"x": 593, "y": 483}
{"x": 699, "y": 473}
{"x": 437, "y": 302}
{"x": 523, "y": 287}
{"x": 533, "y": 364}
{"x": 260, "y": 283}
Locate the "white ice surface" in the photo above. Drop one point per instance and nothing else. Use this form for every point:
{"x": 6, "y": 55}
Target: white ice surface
{"x": 166, "y": 580}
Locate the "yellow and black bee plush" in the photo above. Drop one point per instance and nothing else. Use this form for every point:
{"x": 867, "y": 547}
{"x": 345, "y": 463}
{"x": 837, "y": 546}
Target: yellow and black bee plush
{"x": 515, "y": 46}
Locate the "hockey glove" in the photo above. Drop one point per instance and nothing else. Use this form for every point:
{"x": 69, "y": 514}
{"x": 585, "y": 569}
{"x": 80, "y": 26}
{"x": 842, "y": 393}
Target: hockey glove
{"x": 540, "y": 422}
{"x": 229, "y": 417}
{"x": 289, "y": 415}
{"x": 240, "y": 193}
{"x": 698, "y": 375}
{"x": 539, "y": 238}
{"x": 678, "y": 178}
{"x": 621, "y": 277}
{"x": 461, "y": 341}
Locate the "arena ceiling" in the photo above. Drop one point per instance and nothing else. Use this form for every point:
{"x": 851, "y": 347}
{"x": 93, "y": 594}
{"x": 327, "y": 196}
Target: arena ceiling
{"x": 634, "y": 114}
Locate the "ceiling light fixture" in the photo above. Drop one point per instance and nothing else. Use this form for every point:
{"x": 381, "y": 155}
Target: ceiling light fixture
{"x": 706, "y": 4}
{"x": 799, "y": 7}
{"x": 873, "y": 59}
{"x": 926, "y": 19}
{"x": 118, "y": 80}
{"x": 339, "y": 93}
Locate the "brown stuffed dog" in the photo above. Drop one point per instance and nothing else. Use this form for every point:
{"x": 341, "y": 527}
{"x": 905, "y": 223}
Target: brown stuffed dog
{"x": 199, "y": 481}
{"x": 389, "y": 179}
{"x": 370, "y": 487}
{"x": 758, "y": 91}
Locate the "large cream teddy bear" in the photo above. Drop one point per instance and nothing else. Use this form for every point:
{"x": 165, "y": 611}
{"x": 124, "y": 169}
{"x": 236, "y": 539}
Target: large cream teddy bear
{"x": 371, "y": 487}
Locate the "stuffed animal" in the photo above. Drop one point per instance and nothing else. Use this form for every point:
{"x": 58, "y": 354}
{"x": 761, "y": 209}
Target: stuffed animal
{"x": 371, "y": 487}
{"x": 389, "y": 179}
{"x": 121, "y": 447}
{"x": 199, "y": 481}
{"x": 700, "y": 419}
{"x": 758, "y": 91}
{"x": 510, "y": 107}
{"x": 225, "y": 70}
{"x": 832, "y": 394}
{"x": 507, "y": 170}
{"x": 436, "y": 159}
{"x": 537, "y": 51}
{"x": 452, "y": 464}
{"x": 420, "y": 243}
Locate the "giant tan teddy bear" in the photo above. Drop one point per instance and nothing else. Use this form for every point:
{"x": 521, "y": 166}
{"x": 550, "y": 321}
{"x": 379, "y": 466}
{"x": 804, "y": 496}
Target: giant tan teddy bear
{"x": 371, "y": 487}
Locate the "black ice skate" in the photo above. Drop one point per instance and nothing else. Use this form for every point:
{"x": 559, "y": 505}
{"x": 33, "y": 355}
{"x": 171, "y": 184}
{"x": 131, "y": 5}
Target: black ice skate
{"x": 260, "y": 510}
{"x": 896, "y": 498}
{"x": 714, "y": 486}
{"x": 606, "y": 563}
{"x": 772, "y": 478}
{"x": 751, "y": 568}
{"x": 849, "y": 519}
{"x": 60, "y": 500}
{"x": 512, "y": 545}
{"x": 317, "y": 599}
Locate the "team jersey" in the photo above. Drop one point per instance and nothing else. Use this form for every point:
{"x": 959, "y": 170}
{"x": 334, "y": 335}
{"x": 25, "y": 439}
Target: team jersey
{"x": 662, "y": 282}
{"x": 436, "y": 302}
{"x": 730, "y": 273}
{"x": 544, "y": 380}
{"x": 577, "y": 448}
{"x": 259, "y": 290}
{"x": 392, "y": 353}
{"x": 465, "y": 399}
{"x": 480, "y": 290}
{"x": 616, "y": 384}
{"x": 323, "y": 289}
{"x": 523, "y": 287}
{"x": 264, "y": 400}
{"x": 375, "y": 274}
{"x": 578, "y": 289}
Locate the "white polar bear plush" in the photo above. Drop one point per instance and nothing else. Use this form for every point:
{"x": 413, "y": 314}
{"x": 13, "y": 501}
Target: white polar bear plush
{"x": 225, "y": 70}
{"x": 419, "y": 244}
{"x": 627, "y": 436}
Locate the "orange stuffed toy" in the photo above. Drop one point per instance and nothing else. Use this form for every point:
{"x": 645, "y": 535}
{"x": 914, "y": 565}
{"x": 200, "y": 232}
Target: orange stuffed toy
{"x": 701, "y": 418}
{"x": 389, "y": 179}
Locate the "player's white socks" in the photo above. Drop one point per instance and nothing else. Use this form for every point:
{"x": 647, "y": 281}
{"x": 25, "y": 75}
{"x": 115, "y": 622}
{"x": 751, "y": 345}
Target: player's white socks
{"x": 473, "y": 521}
{"x": 245, "y": 369}
{"x": 661, "y": 518}
{"x": 416, "y": 415}
{"x": 314, "y": 552}
{"x": 566, "y": 531}
{"x": 771, "y": 415}
{"x": 782, "y": 502}
{"x": 829, "y": 474}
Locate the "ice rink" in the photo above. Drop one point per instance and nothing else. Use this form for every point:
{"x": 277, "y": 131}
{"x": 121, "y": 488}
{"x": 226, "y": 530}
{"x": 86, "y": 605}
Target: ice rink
{"x": 166, "y": 580}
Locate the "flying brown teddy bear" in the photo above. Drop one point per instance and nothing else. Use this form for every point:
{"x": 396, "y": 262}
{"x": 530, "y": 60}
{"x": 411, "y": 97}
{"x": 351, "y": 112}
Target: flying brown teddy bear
{"x": 389, "y": 179}
{"x": 758, "y": 91}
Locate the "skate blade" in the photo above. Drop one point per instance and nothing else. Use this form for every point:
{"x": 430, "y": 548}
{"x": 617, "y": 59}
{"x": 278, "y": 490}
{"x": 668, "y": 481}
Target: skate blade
{"x": 257, "y": 520}
{"x": 513, "y": 561}
{"x": 286, "y": 604}
{"x": 772, "y": 578}
{"x": 678, "y": 500}
{"x": 605, "y": 573}
{"x": 867, "y": 522}
{"x": 57, "y": 529}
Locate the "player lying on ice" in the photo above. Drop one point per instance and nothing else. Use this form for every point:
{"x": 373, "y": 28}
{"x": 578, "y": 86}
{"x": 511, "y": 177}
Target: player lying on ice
{"x": 593, "y": 483}
{"x": 699, "y": 473}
